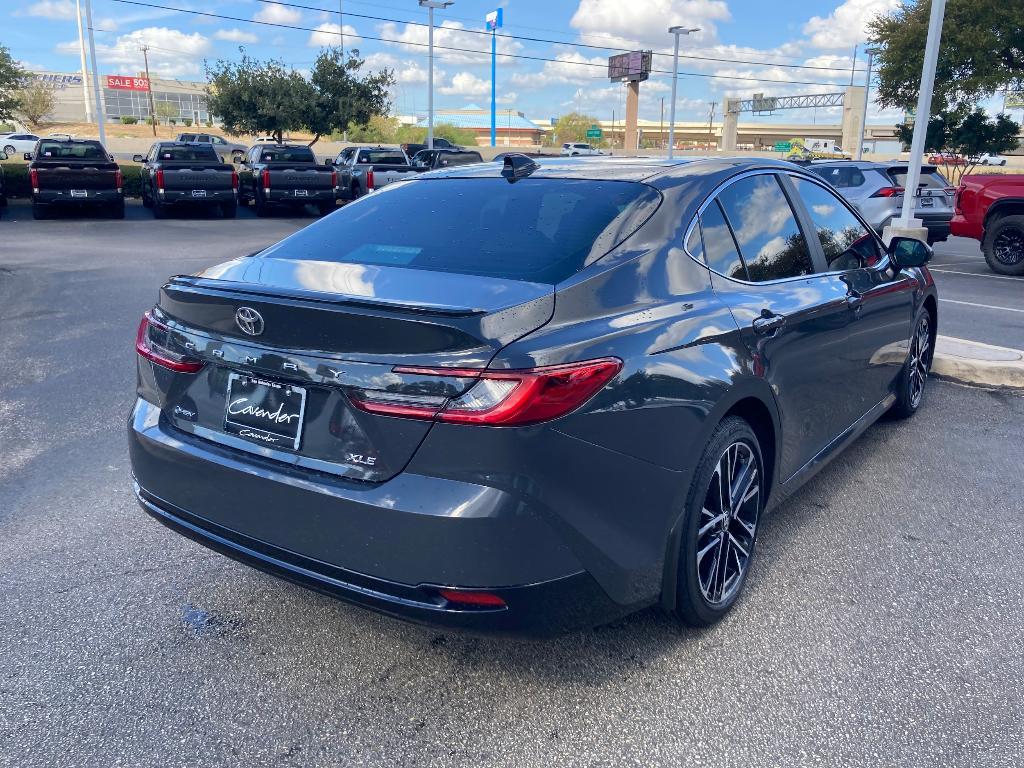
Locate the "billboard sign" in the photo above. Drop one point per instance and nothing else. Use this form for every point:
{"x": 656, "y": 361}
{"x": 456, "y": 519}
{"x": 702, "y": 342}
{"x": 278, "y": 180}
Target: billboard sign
{"x": 494, "y": 20}
{"x": 123, "y": 83}
{"x": 635, "y": 65}
{"x": 57, "y": 80}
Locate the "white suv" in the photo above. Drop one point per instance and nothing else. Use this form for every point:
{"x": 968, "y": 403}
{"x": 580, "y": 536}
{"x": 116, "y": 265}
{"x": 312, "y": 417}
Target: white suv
{"x": 579, "y": 149}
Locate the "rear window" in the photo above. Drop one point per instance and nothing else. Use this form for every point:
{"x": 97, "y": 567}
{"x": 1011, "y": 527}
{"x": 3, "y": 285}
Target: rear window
{"x": 83, "y": 150}
{"x": 536, "y": 230}
{"x": 381, "y": 157}
{"x": 930, "y": 177}
{"x": 287, "y": 155}
{"x": 840, "y": 177}
{"x": 191, "y": 152}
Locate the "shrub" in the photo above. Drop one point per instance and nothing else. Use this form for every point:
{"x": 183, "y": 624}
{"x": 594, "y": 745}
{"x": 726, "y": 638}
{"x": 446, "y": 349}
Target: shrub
{"x": 188, "y": 121}
{"x": 129, "y": 120}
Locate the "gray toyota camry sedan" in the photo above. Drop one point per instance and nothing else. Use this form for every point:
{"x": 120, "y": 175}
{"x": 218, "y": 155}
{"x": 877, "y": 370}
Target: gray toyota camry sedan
{"x": 528, "y": 396}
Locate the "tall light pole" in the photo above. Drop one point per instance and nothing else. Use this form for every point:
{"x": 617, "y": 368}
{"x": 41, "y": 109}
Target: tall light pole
{"x": 677, "y": 31}
{"x": 149, "y": 90}
{"x": 494, "y": 20}
{"x": 430, "y": 5}
{"x": 924, "y": 107}
{"x": 867, "y": 100}
{"x": 85, "y": 69}
{"x": 100, "y": 117}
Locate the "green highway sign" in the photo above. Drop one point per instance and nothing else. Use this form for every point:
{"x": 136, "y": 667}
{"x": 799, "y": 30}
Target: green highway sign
{"x": 783, "y": 146}
{"x": 594, "y": 132}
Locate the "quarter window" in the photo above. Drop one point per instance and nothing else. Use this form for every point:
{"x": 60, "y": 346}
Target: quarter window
{"x": 766, "y": 231}
{"x": 720, "y": 252}
{"x": 845, "y": 241}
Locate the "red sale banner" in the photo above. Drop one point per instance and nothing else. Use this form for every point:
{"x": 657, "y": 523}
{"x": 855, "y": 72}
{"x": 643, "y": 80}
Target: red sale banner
{"x": 122, "y": 83}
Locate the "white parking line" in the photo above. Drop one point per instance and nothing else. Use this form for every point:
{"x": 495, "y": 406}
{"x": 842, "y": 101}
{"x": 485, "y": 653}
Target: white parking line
{"x": 975, "y": 274}
{"x": 955, "y": 263}
{"x": 981, "y": 306}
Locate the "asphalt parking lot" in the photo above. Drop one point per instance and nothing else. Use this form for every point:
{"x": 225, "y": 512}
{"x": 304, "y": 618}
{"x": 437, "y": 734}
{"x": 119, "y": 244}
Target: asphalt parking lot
{"x": 882, "y": 626}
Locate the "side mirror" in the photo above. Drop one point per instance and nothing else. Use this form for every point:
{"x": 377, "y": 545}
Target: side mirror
{"x": 908, "y": 252}
{"x": 111, "y": 156}
{"x": 138, "y": 159}
{"x": 28, "y": 156}
{"x": 328, "y": 161}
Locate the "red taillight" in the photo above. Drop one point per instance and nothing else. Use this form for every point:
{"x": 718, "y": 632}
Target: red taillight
{"x": 118, "y": 179}
{"x": 369, "y": 180}
{"x": 160, "y": 181}
{"x": 34, "y": 177}
{"x": 265, "y": 178}
{"x": 472, "y": 599}
{"x": 334, "y": 178}
{"x": 889, "y": 192}
{"x": 144, "y": 345}
{"x": 234, "y": 180}
{"x": 956, "y": 201}
{"x": 505, "y": 398}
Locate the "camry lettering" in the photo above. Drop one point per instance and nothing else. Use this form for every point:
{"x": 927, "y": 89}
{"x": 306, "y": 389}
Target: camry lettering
{"x": 240, "y": 407}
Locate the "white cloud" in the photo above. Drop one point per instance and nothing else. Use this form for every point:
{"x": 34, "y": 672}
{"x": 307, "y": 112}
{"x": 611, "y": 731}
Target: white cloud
{"x": 508, "y": 98}
{"x": 407, "y": 72}
{"x": 327, "y": 35}
{"x": 644, "y": 23}
{"x": 466, "y": 84}
{"x": 569, "y": 68}
{"x": 845, "y": 26}
{"x": 452, "y": 43}
{"x": 275, "y": 13}
{"x": 174, "y": 53}
{"x": 51, "y": 9}
{"x": 235, "y": 36}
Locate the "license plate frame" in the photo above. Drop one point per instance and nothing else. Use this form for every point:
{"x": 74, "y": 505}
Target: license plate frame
{"x": 927, "y": 201}
{"x": 301, "y": 193}
{"x": 254, "y": 408}
{"x": 79, "y": 192}
{"x": 198, "y": 193}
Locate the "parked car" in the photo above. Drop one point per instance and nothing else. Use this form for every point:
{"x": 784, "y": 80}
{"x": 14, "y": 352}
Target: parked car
{"x": 439, "y": 143}
{"x": 226, "y": 149}
{"x": 432, "y": 159}
{"x": 3, "y": 189}
{"x": 946, "y": 158}
{"x": 15, "y": 144}
{"x": 285, "y": 175}
{"x": 876, "y": 190}
{"x": 991, "y": 159}
{"x": 572, "y": 149}
{"x": 536, "y": 410}
{"x": 990, "y": 209}
{"x": 191, "y": 173}
{"x": 363, "y": 169}
{"x": 74, "y": 172}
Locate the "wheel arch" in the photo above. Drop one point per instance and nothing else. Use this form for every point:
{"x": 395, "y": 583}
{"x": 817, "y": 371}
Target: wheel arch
{"x": 1007, "y": 206}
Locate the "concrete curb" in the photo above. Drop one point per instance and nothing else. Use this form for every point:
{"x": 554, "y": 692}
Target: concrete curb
{"x": 972, "y": 362}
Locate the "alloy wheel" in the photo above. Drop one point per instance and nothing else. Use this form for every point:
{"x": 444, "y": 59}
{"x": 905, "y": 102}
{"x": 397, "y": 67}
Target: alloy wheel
{"x": 1008, "y": 247}
{"x": 728, "y": 523}
{"x": 920, "y": 349}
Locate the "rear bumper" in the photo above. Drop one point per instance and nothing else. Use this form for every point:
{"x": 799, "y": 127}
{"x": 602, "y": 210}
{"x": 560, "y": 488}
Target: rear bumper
{"x": 938, "y": 227}
{"x": 386, "y": 546}
{"x": 288, "y": 197}
{"x": 63, "y": 197}
{"x": 960, "y": 226}
{"x": 215, "y": 197}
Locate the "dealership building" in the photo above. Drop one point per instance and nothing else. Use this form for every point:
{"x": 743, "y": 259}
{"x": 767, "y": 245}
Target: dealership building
{"x": 125, "y": 96}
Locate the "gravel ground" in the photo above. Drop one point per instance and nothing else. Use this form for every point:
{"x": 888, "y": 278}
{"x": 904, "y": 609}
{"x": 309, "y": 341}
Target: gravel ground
{"x": 882, "y": 625}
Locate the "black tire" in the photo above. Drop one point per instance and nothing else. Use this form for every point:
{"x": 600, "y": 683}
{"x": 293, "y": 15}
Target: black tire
{"x": 914, "y": 376}
{"x": 159, "y": 210}
{"x": 262, "y": 209}
{"x": 713, "y": 538}
{"x": 1004, "y": 245}
{"x": 230, "y": 210}
{"x": 325, "y": 208}
{"x": 116, "y": 210}
{"x": 9, "y": 149}
{"x": 146, "y": 201}
{"x": 356, "y": 192}
{"x": 40, "y": 211}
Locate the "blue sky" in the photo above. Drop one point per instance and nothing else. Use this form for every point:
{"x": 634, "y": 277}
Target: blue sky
{"x": 789, "y": 46}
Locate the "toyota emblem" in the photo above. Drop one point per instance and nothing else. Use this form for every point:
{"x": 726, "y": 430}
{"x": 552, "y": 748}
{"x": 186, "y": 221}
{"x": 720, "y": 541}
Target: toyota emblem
{"x": 249, "y": 321}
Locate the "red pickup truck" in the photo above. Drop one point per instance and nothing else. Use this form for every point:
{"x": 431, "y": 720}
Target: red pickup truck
{"x": 990, "y": 209}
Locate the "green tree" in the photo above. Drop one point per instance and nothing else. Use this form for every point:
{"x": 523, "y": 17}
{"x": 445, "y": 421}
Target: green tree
{"x": 379, "y": 128}
{"x": 36, "y": 101}
{"x": 573, "y": 127}
{"x": 343, "y": 95}
{"x": 982, "y": 51}
{"x": 969, "y": 134}
{"x": 12, "y": 79}
{"x": 255, "y": 97}
{"x": 166, "y": 111}
{"x": 461, "y": 136}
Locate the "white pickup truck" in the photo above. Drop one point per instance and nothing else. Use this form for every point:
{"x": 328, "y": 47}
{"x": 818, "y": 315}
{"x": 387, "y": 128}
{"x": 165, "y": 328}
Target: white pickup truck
{"x": 363, "y": 169}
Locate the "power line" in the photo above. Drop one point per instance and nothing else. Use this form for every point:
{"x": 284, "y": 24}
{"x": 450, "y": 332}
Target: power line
{"x": 560, "y": 42}
{"x": 525, "y": 57}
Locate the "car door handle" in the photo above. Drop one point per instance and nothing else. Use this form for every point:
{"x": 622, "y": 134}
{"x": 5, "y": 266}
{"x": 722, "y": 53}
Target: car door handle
{"x": 768, "y": 323}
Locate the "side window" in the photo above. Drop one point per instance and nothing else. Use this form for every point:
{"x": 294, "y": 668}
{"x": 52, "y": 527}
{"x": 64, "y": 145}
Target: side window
{"x": 840, "y": 177}
{"x": 765, "y": 227}
{"x": 845, "y": 241}
{"x": 694, "y": 244}
{"x": 720, "y": 251}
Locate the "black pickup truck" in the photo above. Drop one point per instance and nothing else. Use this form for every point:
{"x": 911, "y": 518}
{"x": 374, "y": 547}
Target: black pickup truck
{"x": 286, "y": 175}
{"x": 364, "y": 169}
{"x": 175, "y": 173}
{"x": 439, "y": 143}
{"x": 432, "y": 159}
{"x": 78, "y": 172}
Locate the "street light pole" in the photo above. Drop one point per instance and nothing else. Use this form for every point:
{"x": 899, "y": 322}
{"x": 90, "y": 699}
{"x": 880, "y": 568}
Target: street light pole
{"x": 85, "y": 68}
{"x": 430, "y": 5}
{"x": 677, "y": 31}
{"x": 924, "y": 106}
{"x": 100, "y": 117}
{"x": 867, "y": 100}
{"x": 149, "y": 89}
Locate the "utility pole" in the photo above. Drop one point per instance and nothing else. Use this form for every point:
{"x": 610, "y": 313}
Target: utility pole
{"x": 661, "y": 127}
{"x": 430, "y": 5}
{"x": 341, "y": 27}
{"x": 677, "y": 31}
{"x": 100, "y": 117}
{"x": 85, "y": 70}
{"x": 853, "y": 66}
{"x": 149, "y": 90}
{"x": 711, "y": 131}
{"x": 867, "y": 92}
